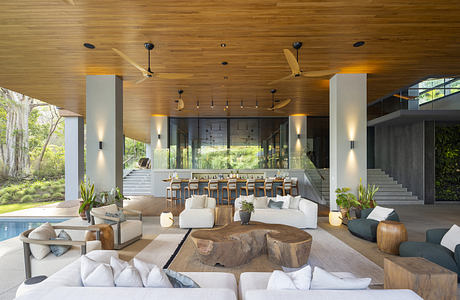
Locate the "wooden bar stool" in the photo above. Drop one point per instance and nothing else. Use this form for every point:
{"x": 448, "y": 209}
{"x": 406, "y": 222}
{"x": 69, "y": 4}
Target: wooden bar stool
{"x": 231, "y": 186}
{"x": 213, "y": 186}
{"x": 192, "y": 188}
{"x": 174, "y": 189}
{"x": 294, "y": 186}
{"x": 286, "y": 187}
{"x": 250, "y": 186}
{"x": 267, "y": 187}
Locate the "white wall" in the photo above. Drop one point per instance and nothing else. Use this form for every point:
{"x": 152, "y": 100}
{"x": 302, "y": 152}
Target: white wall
{"x": 348, "y": 121}
{"x": 104, "y": 122}
{"x": 74, "y": 156}
{"x": 297, "y": 146}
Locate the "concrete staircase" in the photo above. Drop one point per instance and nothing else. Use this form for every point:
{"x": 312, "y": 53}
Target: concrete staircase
{"x": 390, "y": 191}
{"x": 137, "y": 182}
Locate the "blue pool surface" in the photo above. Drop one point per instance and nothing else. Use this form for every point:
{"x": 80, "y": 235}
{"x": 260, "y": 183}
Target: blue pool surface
{"x": 13, "y": 227}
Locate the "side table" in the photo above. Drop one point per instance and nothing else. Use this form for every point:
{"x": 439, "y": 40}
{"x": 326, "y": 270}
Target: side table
{"x": 429, "y": 280}
{"x": 389, "y": 235}
{"x": 106, "y": 235}
{"x": 223, "y": 215}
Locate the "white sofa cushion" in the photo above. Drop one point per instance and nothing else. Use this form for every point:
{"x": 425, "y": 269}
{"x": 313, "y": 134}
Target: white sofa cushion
{"x": 260, "y": 202}
{"x": 197, "y": 218}
{"x": 124, "y": 274}
{"x": 291, "y": 217}
{"x": 323, "y": 280}
{"x": 452, "y": 238}
{"x": 129, "y": 230}
{"x": 95, "y": 273}
{"x": 285, "y": 199}
{"x": 43, "y": 232}
{"x": 380, "y": 213}
{"x": 198, "y": 201}
{"x": 280, "y": 281}
{"x": 294, "y": 202}
{"x": 151, "y": 274}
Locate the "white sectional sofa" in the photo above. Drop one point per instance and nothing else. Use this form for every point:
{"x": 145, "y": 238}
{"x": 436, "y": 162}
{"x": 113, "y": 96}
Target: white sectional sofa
{"x": 67, "y": 284}
{"x": 306, "y": 216}
{"x": 253, "y": 286}
{"x": 198, "y": 217}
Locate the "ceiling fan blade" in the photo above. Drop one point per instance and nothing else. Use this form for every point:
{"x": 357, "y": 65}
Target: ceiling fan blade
{"x": 292, "y": 61}
{"x": 284, "y": 78}
{"x": 141, "y": 80}
{"x": 282, "y": 104}
{"x": 129, "y": 60}
{"x": 71, "y": 2}
{"x": 173, "y": 75}
{"x": 319, "y": 73}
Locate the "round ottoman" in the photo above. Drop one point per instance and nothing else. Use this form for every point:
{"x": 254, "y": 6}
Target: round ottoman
{"x": 389, "y": 235}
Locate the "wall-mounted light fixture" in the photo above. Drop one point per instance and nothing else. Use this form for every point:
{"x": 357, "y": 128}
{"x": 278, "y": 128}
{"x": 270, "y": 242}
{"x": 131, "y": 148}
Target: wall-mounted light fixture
{"x": 159, "y": 136}
{"x": 298, "y": 136}
{"x": 352, "y": 144}
{"x": 100, "y": 145}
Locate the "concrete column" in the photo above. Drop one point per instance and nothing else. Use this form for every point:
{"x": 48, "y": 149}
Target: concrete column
{"x": 148, "y": 151}
{"x": 297, "y": 141}
{"x": 159, "y": 150}
{"x": 348, "y": 122}
{"x": 104, "y": 123}
{"x": 74, "y": 156}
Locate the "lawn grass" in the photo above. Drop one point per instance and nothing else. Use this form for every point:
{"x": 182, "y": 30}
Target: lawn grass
{"x": 20, "y": 206}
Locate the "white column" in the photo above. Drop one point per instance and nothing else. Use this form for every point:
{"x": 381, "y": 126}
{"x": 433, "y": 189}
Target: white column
{"x": 297, "y": 140}
{"x": 74, "y": 156}
{"x": 348, "y": 122}
{"x": 148, "y": 151}
{"x": 104, "y": 123}
{"x": 159, "y": 151}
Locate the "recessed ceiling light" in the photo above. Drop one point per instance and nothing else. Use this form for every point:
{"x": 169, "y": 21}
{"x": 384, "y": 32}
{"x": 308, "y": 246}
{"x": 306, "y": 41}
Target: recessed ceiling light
{"x": 89, "y": 46}
{"x": 358, "y": 44}
{"x": 224, "y": 63}
{"x": 223, "y": 45}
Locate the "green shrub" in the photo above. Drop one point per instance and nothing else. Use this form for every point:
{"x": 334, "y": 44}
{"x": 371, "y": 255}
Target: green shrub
{"x": 57, "y": 196}
{"x": 20, "y": 193}
{"x": 32, "y": 189}
{"x": 46, "y": 196}
{"x": 27, "y": 198}
{"x": 6, "y": 198}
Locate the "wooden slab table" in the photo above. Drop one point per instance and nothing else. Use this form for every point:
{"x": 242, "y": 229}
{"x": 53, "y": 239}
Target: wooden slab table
{"x": 235, "y": 244}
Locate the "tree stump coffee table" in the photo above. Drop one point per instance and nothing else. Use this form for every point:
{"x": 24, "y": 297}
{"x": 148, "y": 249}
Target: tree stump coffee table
{"x": 235, "y": 244}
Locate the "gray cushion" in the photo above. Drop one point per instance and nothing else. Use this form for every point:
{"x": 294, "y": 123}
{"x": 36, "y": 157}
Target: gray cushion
{"x": 118, "y": 214}
{"x": 58, "y": 250}
{"x": 179, "y": 280}
{"x": 364, "y": 228}
{"x": 275, "y": 204}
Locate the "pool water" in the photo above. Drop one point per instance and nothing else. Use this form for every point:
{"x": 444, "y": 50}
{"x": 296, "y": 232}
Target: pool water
{"x": 13, "y": 227}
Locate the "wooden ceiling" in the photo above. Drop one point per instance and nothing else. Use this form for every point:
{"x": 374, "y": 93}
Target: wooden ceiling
{"x": 42, "y": 53}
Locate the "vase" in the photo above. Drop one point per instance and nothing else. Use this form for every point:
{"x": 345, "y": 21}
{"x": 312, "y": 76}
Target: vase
{"x": 245, "y": 216}
{"x": 83, "y": 213}
{"x": 344, "y": 212}
{"x": 358, "y": 212}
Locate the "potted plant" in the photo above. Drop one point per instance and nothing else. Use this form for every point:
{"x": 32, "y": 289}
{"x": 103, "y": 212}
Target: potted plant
{"x": 88, "y": 198}
{"x": 245, "y": 212}
{"x": 365, "y": 197}
{"x": 345, "y": 201}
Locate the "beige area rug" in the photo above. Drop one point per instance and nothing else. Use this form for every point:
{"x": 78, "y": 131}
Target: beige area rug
{"x": 132, "y": 250}
{"x": 327, "y": 252}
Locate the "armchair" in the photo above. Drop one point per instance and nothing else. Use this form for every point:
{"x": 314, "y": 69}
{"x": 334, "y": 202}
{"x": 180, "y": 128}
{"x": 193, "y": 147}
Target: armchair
{"x": 125, "y": 232}
{"x": 50, "y": 264}
{"x": 367, "y": 228}
{"x": 198, "y": 217}
{"x": 433, "y": 251}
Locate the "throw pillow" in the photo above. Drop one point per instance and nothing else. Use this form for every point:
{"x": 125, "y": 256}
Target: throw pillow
{"x": 117, "y": 265}
{"x": 451, "y": 238}
{"x": 294, "y": 202}
{"x": 285, "y": 199}
{"x": 323, "y": 280}
{"x": 95, "y": 274}
{"x": 380, "y": 213}
{"x": 199, "y": 201}
{"x": 260, "y": 202}
{"x": 152, "y": 275}
{"x": 58, "y": 250}
{"x": 301, "y": 278}
{"x": 43, "y": 232}
{"x": 120, "y": 215}
{"x": 275, "y": 204}
{"x": 179, "y": 280}
{"x": 280, "y": 281}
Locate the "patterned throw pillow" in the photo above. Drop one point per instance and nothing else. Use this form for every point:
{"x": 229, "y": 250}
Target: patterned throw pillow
{"x": 58, "y": 250}
{"x": 118, "y": 214}
{"x": 179, "y": 280}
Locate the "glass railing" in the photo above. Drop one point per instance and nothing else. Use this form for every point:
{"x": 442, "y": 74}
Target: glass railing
{"x": 302, "y": 161}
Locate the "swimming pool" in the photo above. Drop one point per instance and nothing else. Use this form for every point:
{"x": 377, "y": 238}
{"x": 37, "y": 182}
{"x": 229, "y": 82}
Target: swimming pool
{"x": 13, "y": 227}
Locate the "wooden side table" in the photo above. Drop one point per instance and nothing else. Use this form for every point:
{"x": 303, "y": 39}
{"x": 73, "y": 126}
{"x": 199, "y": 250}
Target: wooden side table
{"x": 223, "y": 215}
{"x": 389, "y": 235}
{"x": 429, "y": 280}
{"x": 106, "y": 236}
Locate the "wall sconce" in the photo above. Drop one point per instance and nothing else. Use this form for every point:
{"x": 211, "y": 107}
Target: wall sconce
{"x": 100, "y": 145}
{"x": 352, "y": 144}
{"x": 159, "y": 136}
{"x": 298, "y": 136}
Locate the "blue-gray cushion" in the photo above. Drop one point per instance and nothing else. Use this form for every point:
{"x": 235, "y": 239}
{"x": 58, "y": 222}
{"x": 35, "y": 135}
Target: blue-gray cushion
{"x": 59, "y": 250}
{"x": 179, "y": 280}
{"x": 118, "y": 214}
{"x": 275, "y": 204}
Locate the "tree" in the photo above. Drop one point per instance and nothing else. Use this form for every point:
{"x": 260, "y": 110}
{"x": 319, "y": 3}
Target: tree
{"x": 55, "y": 118}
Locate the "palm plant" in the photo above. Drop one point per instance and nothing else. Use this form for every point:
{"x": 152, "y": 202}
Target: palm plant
{"x": 366, "y": 195}
{"x": 88, "y": 196}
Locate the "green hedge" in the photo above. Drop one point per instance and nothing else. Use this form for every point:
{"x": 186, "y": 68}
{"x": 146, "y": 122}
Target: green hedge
{"x": 447, "y": 159}
{"x": 32, "y": 191}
